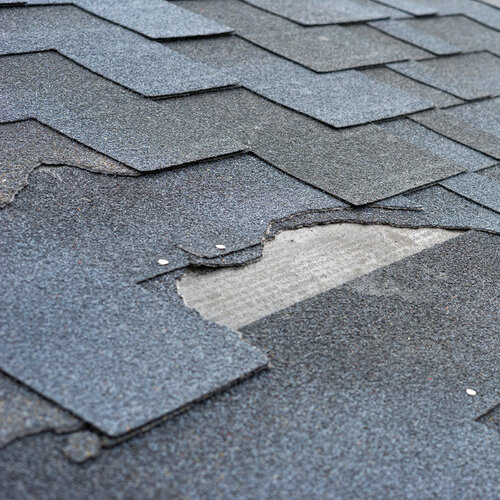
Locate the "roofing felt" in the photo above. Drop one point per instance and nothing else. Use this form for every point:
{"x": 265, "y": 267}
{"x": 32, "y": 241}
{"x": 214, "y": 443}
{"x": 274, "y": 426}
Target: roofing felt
{"x": 323, "y": 49}
{"x": 142, "y": 140}
{"x": 109, "y": 50}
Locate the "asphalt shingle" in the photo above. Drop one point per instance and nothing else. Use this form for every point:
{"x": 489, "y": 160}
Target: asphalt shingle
{"x": 469, "y": 76}
{"x": 340, "y": 99}
{"x": 135, "y": 62}
{"x": 444, "y": 35}
{"x": 322, "y": 49}
{"x": 476, "y": 125}
{"x": 318, "y": 12}
{"x": 114, "y": 121}
{"x": 154, "y": 18}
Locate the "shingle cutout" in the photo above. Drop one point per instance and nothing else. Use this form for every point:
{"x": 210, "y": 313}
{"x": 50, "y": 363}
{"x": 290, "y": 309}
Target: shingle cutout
{"x": 118, "y": 54}
{"x": 28, "y": 144}
{"x": 319, "y": 12}
{"x": 154, "y": 18}
{"x": 444, "y": 35}
{"x": 107, "y": 350}
{"x": 100, "y": 114}
{"x": 477, "y": 188}
{"x": 328, "y": 48}
{"x": 340, "y": 99}
{"x": 469, "y": 76}
{"x": 476, "y": 125}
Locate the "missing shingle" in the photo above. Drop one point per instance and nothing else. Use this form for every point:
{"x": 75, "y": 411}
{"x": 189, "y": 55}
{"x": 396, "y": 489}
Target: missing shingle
{"x": 299, "y": 264}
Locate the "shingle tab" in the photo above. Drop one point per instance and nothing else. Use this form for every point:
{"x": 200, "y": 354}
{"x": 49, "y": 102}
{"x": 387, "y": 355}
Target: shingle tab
{"x": 154, "y": 18}
{"x": 476, "y": 125}
{"x": 469, "y": 76}
{"x": 106, "y": 117}
{"x": 340, "y": 99}
{"x": 471, "y": 8}
{"x": 444, "y": 35}
{"x": 427, "y": 139}
{"x": 477, "y": 188}
{"x": 140, "y": 64}
{"x": 328, "y": 48}
{"x": 318, "y": 12}
{"x": 107, "y": 350}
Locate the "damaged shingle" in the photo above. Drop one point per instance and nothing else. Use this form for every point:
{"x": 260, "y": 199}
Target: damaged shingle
{"x": 28, "y": 144}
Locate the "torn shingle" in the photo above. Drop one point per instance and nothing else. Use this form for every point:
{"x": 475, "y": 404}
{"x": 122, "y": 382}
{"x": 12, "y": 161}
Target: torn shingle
{"x": 476, "y": 125}
{"x": 318, "y": 12}
{"x": 477, "y": 188}
{"x": 106, "y": 117}
{"x": 81, "y": 446}
{"x": 177, "y": 215}
{"x": 153, "y": 18}
{"x": 444, "y": 35}
{"x": 322, "y": 49}
{"x": 299, "y": 264}
{"x": 135, "y": 62}
{"x": 23, "y": 413}
{"x": 427, "y": 139}
{"x": 340, "y": 99}
{"x": 469, "y": 76}
{"x": 28, "y": 144}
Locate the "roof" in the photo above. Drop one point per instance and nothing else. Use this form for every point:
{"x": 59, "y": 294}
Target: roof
{"x": 249, "y": 248}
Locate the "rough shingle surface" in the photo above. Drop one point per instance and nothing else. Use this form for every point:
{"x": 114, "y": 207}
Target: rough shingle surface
{"x": 328, "y": 48}
{"x": 153, "y": 18}
{"x": 118, "y": 54}
{"x": 104, "y": 116}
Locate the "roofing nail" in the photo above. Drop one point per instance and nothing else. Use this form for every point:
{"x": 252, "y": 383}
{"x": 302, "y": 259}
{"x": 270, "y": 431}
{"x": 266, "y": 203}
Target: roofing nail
{"x": 220, "y": 247}
{"x": 471, "y": 392}
{"x": 162, "y": 262}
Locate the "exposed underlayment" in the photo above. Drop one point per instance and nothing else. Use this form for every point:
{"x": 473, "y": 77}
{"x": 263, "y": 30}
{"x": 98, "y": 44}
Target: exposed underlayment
{"x": 299, "y": 264}
{"x": 303, "y": 171}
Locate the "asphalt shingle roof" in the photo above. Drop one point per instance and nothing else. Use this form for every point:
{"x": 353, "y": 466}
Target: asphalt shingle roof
{"x": 140, "y": 139}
